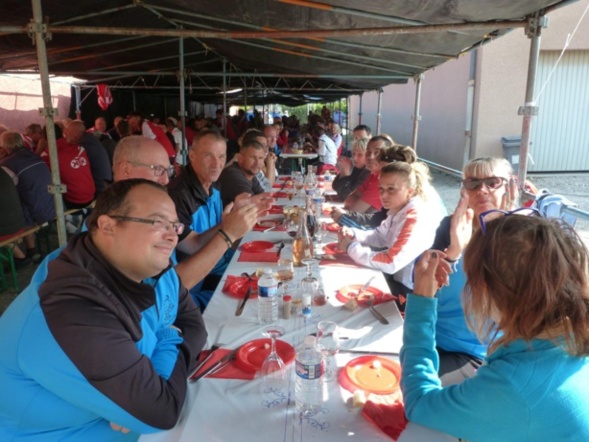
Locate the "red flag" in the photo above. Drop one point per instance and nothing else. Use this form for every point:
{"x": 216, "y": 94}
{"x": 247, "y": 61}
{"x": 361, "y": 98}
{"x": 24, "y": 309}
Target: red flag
{"x": 104, "y": 96}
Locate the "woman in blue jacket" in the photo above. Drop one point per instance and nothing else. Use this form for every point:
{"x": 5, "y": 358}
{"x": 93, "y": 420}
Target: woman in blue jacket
{"x": 529, "y": 298}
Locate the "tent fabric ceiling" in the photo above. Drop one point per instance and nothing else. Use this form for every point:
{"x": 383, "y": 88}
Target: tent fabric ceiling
{"x": 270, "y": 69}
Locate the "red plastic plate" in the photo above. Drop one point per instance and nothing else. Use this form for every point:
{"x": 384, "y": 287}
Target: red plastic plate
{"x": 251, "y": 355}
{"x": 351, "y": 291}
{"x": 239, "y": 288}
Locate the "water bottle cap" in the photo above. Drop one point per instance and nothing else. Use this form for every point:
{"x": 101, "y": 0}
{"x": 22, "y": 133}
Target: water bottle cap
{"x": 287, "y": 298}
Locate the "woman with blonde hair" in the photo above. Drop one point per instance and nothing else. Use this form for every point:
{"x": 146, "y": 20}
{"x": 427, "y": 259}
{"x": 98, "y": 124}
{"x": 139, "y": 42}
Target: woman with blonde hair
{"x": 529, "y": 299}
{"x": 352, "y": 171}
{"x": 407, "y": 231}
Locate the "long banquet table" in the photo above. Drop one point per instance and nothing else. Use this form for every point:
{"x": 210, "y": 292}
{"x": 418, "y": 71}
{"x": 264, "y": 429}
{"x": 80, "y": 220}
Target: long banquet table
{"x": 231, "y": 410}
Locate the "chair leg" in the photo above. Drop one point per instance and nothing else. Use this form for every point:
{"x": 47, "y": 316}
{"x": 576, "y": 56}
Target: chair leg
{"x": 7, "y": 254}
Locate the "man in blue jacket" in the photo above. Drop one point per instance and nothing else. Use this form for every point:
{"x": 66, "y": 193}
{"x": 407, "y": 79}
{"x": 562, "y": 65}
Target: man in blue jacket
{"x": 88, "y": 348}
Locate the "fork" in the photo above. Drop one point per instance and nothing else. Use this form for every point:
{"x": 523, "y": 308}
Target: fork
{"x": 201, "y": 364}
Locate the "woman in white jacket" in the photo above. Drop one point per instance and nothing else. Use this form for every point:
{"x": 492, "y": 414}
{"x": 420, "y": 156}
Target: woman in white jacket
{"x": 405, "y": 234}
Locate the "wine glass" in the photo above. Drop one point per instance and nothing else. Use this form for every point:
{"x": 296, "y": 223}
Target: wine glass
{"x": 273, "y": 370}
{"x": 285, "y": 273}
{"x": 292, "y": 227}
{"x": 329, "y": 343}
{"x": 309, "y": 283}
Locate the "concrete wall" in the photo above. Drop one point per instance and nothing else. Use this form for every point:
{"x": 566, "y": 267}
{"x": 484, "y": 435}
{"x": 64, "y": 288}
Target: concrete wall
{"x": 499, "y": 89}
{"x": 21, "y": 97}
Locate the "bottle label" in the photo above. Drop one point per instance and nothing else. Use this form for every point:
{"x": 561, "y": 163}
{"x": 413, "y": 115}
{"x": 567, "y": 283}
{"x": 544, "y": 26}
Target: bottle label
{"x": 310, "y": 372}
{"x": 268, "y": 292}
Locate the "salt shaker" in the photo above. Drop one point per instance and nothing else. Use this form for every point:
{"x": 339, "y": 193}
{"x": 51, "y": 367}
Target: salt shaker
{"x": 286, "y": 306}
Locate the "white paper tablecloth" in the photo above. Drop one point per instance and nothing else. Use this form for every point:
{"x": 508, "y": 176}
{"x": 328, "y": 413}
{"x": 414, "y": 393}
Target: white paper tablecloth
{"x": 237, "y": 410}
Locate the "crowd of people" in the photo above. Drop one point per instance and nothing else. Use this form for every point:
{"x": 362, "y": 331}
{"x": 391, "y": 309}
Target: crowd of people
{"x": 497, "y": 300}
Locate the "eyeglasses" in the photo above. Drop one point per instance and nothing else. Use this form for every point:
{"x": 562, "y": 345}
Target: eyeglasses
{"x": 157, "y": 170}
{"x": 158, "y": 224}
{"x": 492, "y": 183}
{"x": 493, "y": 214}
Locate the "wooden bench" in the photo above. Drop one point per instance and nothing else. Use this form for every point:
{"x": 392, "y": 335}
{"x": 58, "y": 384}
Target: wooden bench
{"x": 7, "y": 245}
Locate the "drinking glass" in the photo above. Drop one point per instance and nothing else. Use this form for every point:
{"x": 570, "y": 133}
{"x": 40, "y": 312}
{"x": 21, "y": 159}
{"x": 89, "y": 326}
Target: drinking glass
{"x": 329, "y": 342}
{"x": 285, "y": 273}
{"x": 309, "y": 283}
{"x": 273, "y": 370}
{"x": 292, "y": 227}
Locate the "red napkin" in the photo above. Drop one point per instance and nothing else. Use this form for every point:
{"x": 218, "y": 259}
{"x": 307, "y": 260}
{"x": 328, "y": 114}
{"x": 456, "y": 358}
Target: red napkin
{"x": 231, "y": 279}
{"x": 276, "y": 210}
{"x": 261, "y": 228}
{"x": 258, "y": 256}
{"x": 229, "y": 371}
{"x": 389, "y": 418}
{"x": 279, "y": 195}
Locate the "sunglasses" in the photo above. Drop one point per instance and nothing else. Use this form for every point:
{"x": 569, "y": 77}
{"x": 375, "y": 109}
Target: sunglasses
{"x": 492, "y": 183}
{"x": 493, "y": 214}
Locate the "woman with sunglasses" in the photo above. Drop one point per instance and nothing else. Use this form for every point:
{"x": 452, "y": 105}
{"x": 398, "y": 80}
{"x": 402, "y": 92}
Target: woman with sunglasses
{"x": 487, "y": 184}
{"x": 529, "y": 299}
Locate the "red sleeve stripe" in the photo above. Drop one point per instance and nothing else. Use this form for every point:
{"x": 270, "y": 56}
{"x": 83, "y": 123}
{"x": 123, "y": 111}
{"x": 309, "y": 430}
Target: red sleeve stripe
{"x": 402, "y": 239}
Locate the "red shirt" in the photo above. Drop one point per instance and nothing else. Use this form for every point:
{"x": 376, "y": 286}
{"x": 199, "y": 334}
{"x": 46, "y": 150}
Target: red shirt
{"x": 74, "y": 170}
{"x": 369, "y": 192}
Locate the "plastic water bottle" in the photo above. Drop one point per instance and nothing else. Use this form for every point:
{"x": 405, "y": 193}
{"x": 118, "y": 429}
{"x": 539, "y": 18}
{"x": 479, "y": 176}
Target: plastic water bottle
{"x": 317, "y": 203}
{"x": 267, "y": 298}
{"x": 309, "y": 379}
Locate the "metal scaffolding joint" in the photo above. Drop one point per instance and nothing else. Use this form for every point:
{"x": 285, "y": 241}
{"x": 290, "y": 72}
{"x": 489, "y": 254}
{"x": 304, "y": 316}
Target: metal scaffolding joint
{"x": 48, "y": 111}
{"x": 56, "y": 189}
{"x": 528, "y": 109}
{"x": 34, "y": 28}
{"x": 535, "y": 25}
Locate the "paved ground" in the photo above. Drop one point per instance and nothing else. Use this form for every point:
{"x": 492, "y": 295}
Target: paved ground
{"x": 575, "y": 188}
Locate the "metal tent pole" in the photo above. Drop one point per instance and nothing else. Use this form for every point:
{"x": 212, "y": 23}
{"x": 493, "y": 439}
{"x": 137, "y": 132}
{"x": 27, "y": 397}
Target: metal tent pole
{"x": 78, "y": 94}
{"x": 378, "y": 111}
{"x": 530, "y": 109}
{"x": 416, "y": 117}
{"x": 183, "y": 147}
{"x": 360, "y": 109}
{"x": 224, "y": 123}
{"x": 39, "y": 31}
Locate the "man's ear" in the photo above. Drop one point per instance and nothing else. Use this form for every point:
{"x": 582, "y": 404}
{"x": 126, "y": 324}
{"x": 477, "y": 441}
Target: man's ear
{"x": 106, "y": 224}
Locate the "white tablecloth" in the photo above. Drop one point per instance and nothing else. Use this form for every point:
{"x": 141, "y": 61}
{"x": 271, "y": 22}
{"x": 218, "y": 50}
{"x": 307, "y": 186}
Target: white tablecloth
{"x": 237, "y": 410}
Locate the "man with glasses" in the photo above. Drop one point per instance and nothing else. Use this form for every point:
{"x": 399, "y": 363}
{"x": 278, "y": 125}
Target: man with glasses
{"x": 91, "y": 349}
{"x": 139, "y": 157}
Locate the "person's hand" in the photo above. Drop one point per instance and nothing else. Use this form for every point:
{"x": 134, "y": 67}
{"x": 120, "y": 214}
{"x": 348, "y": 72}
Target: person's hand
{"x": 240, "y": 220}
{"x": 344, "y": 165}
{"x": 460, "y": 228}
{"x": 270, "y": 159}
{"x": 336, "y": 213}
{"x": 426, "y": 282}
{"x": 343, "y": 243}
{"x": 119, "y": 428}
{"x": 346, "y": 232}
{"x": 511, "y": 196}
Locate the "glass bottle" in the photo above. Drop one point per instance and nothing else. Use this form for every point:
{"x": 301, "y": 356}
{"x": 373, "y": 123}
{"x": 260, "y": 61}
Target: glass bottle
{"x": 302, "y": 246}
{"x": 311, "y": 219}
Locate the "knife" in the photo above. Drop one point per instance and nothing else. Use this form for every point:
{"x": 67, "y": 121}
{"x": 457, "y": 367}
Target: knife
{"x": 365, "y": 286}
{"x": 201, "y": 364}
{"x": 217, "y": 365}
{"x": 239, "y": 310}
{"x": 280, "y": 247}
{"x": 377, "y": 314}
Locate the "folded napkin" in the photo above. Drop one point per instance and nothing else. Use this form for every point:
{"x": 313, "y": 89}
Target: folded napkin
{"x": 276, "y": 209}
{"x": 388, "y": 417}
{"x": 231, "y": 279}
{"x": 279, "y": 195}
{"x": 229, "y": 371}
{"x": 279, "y": 185}
{"x": 270, "y": 256}
{"x": 279, "y": 227}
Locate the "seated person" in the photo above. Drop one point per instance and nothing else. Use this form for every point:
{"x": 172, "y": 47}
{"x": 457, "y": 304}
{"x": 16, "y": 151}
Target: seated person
{"x": 352, "y": 171}
{"x": 529, "y": 297}
{"x": 405, "y": 234}
{"x": 366, "y": 198}
{"x": 326, "y": 148}
{"x": 240, "y": 177}
{"x": 199, "y": 206}
{"x": 372, "y": 220}
{"x": 31, "y": 177}
{"x": 88, "y": 348}
{"x": 12, "y": 220}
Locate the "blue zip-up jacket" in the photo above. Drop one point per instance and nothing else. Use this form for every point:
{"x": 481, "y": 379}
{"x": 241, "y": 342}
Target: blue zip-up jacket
{"x": 525, "y": 391}
{"x": 84, "y": 346}
{"x": 200, "y": 211}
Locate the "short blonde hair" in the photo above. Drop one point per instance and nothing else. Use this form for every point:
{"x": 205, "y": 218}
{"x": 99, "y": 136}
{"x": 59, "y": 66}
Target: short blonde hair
{"x": 360, "y": 144}
{"x": 487, "y": 166}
